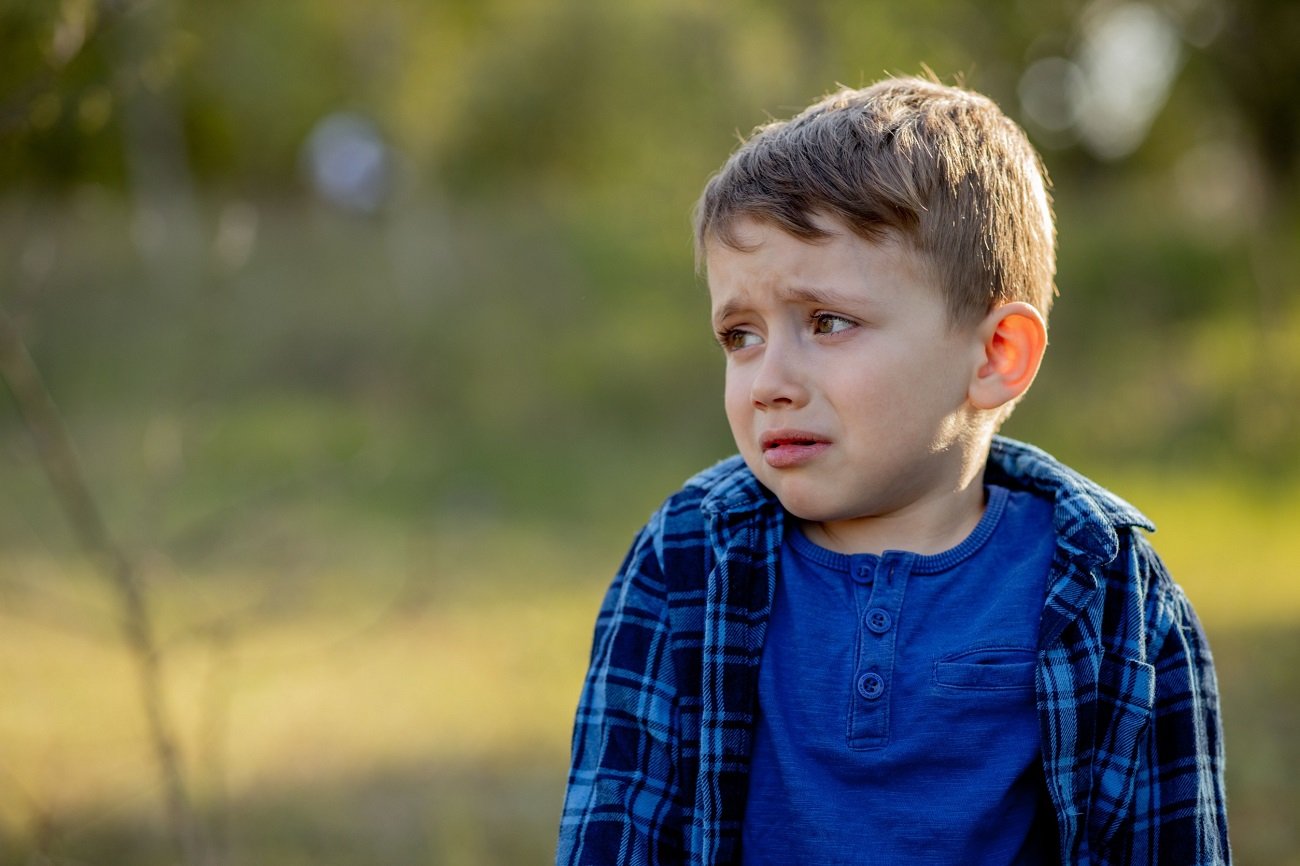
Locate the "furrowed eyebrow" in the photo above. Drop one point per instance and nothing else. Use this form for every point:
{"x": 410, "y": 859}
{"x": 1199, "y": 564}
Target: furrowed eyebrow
{"x": 726, "y": 311}
{"x": 800, "y": 294}
{"x": 823, "y": 297}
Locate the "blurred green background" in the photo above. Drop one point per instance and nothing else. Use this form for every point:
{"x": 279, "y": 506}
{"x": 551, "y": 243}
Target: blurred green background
{"x": 376, "y": 330}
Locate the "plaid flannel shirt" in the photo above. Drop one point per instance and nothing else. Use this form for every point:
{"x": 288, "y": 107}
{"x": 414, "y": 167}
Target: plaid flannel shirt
{"x": 1127, "y": 698}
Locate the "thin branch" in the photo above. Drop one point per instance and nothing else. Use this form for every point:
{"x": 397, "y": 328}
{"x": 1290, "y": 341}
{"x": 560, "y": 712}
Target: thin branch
{"x": 59, "y": 460}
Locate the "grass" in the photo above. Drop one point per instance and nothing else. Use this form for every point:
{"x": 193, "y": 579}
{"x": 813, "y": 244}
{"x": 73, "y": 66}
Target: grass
{"x": 366, "y": 692}
{"x": 409, "y": 699}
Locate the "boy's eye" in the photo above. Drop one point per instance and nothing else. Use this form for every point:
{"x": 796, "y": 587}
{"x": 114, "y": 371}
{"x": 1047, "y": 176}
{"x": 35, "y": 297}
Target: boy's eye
{"x": 829, "y": 323}
{"x": 738, "y": 339}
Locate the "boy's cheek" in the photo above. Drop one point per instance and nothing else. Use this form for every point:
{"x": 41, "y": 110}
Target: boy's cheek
{"x": 735, "y": 407}
{"x": 742, "y": 434}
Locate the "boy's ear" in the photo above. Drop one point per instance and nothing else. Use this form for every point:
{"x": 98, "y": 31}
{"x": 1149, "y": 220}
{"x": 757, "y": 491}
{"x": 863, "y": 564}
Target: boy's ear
{"x": 1014, "y": 337}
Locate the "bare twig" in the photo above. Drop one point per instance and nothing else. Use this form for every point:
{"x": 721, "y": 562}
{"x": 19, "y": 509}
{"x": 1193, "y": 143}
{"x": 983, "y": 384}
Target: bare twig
{"x": 59, "y": 460}
{"x": 214, "y": 737}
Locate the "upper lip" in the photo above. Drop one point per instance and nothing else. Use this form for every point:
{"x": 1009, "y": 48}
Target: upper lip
{"x": 773, "y": 438}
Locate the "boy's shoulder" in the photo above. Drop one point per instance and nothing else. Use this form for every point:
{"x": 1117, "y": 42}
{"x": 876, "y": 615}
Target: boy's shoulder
{"x": 1020, "y": 465}
{"x": 1091, "y": 524}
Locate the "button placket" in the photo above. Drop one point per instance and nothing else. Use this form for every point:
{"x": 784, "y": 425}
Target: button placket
{"x": 869, "y": 708}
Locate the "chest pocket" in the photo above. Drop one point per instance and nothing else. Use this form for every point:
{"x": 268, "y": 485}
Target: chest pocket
{"x": 990, "y": 668}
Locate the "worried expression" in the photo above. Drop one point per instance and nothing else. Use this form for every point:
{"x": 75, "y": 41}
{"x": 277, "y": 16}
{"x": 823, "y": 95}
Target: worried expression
{"x": 846, "y": 383}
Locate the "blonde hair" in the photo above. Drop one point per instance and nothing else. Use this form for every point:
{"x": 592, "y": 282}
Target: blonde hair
{"x": 942, "y": 167}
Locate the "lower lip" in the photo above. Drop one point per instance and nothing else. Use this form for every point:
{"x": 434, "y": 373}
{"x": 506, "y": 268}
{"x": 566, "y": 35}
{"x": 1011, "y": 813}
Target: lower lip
{"x": 787, "y": 456}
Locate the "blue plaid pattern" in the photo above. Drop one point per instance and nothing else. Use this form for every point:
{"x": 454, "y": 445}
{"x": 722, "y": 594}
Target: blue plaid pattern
{"x": 1127, "y": 699}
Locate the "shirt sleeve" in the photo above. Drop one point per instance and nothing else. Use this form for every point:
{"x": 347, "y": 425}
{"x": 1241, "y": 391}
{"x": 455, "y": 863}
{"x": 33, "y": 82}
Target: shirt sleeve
{"x": 1181, "y": 816}
{"x": 623, "y": 805}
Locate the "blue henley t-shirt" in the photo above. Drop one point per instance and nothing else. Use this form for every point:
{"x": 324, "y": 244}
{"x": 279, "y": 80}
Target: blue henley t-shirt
{"x": 897, "y": 720}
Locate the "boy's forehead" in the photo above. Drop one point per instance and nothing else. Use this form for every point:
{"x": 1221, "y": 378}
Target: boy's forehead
{"x": 749, "y": 233}
{"x": 747, "y": 230}
{"x": 762, "y": 248}
{"x": 759, "y": 257}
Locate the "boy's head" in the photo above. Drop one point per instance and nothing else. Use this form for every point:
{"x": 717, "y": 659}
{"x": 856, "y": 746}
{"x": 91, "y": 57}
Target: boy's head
{"x": 880, "y": 270}
{"x": 939, "y": 167}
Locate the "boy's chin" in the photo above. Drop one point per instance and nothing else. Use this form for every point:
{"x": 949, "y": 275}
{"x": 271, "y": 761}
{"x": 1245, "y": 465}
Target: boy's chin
{"x": 802, "y": 496}
{"x": 809, "y": 511}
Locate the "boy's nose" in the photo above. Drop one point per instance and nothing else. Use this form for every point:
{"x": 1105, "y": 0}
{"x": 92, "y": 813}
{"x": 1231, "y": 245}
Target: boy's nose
{"x": 779, "y": 380}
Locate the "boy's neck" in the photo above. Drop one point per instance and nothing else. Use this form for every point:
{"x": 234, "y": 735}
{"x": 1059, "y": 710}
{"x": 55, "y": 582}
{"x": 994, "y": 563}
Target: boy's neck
{"x": 925, "y": 527}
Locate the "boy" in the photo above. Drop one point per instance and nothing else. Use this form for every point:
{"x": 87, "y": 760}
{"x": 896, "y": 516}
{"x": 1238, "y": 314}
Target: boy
{"x": 882, "y": 633}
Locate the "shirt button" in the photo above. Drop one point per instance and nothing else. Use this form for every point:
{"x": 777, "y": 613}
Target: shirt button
{"x": 879, "y": 620}
{"x": 871, "y": 686}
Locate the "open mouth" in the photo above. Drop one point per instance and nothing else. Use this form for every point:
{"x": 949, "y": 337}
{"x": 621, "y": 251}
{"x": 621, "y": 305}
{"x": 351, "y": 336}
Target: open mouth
{"x": 789, "y": 448}
{"x": 791, "y": 438}
{"x": 797, "y": 441}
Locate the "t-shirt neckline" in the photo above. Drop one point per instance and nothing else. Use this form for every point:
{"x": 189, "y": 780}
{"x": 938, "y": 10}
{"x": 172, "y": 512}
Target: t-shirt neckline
{"x": 920, "y": 564}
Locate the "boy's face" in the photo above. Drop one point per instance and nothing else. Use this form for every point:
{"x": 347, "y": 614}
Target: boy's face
{"x": 846, "y": 387}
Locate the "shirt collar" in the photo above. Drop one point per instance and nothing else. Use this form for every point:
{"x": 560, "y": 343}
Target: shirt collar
{"x": 1035, "y": 469}
{"x": 1087, "y": 515}
{"x": 731, "y": 489}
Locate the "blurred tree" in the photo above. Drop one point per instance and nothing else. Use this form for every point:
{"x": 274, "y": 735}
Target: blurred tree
{"x": 58, "y": 95}
{"x": 1257, "y": 62}
{"x": 490, "y": 93}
